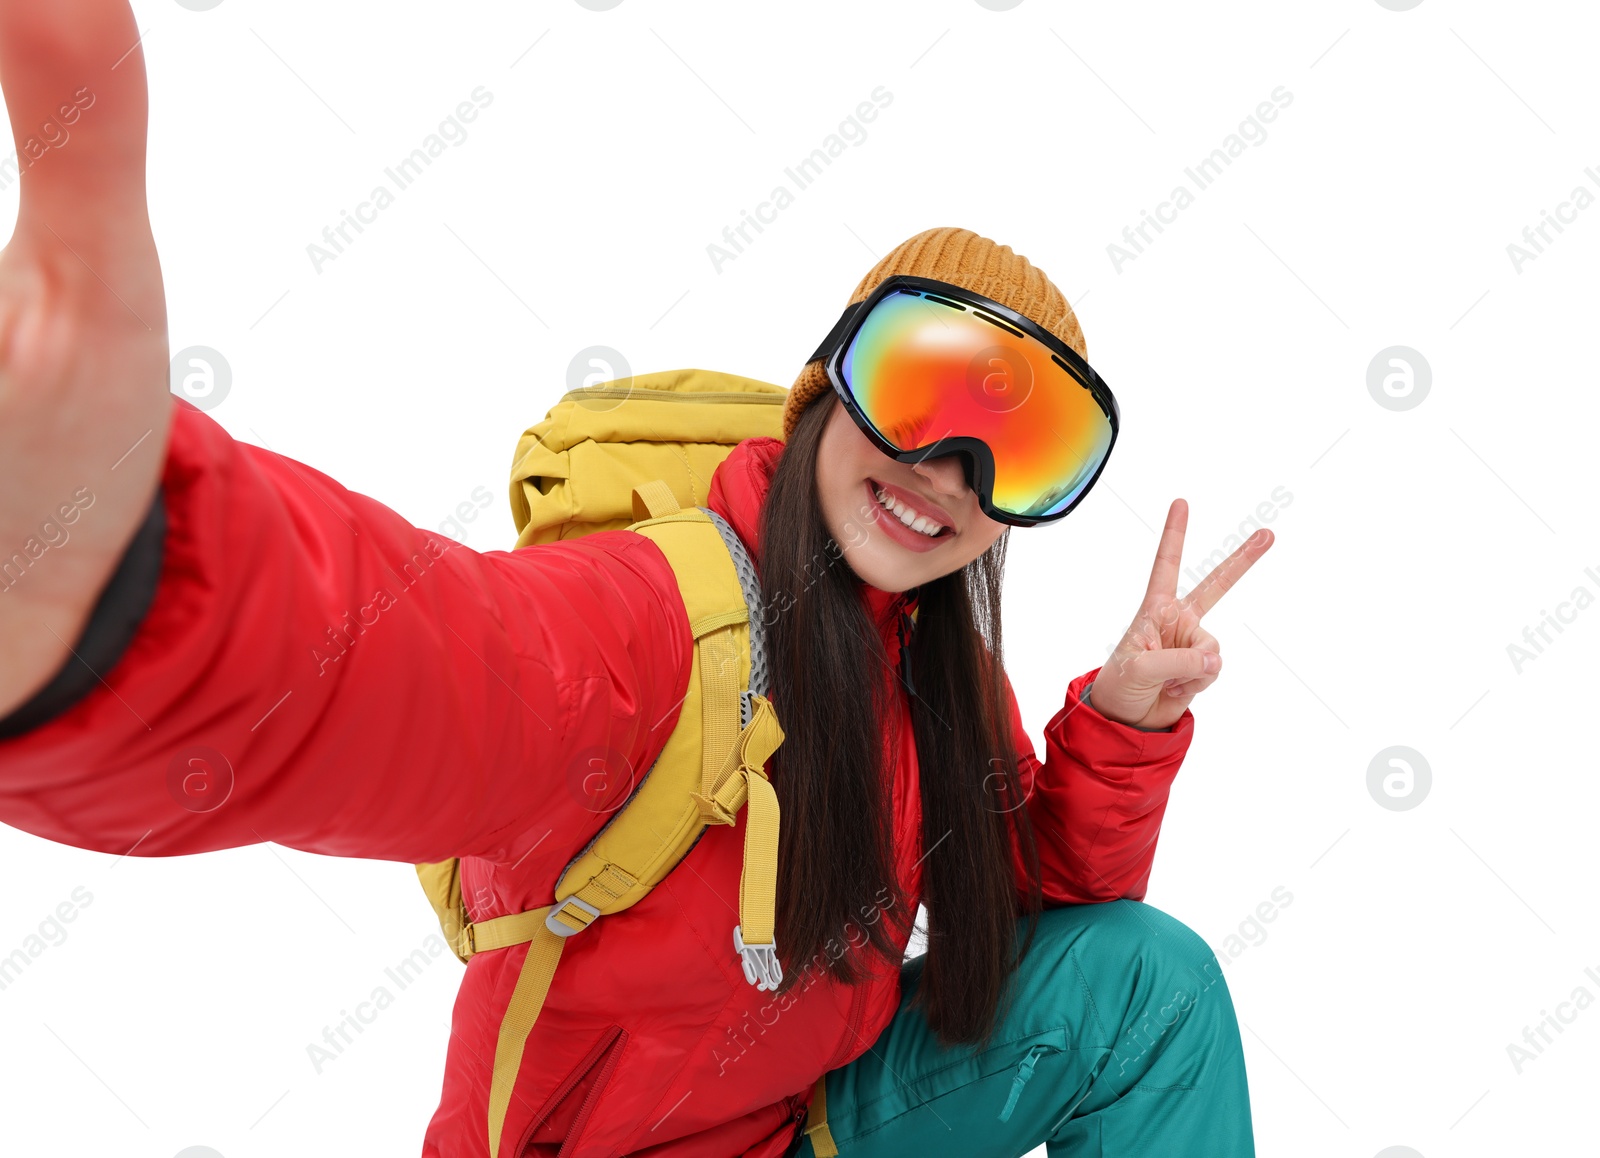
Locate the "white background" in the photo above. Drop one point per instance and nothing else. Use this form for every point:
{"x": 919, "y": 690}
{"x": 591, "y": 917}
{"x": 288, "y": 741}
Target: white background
{"x": 1415, "y": 546}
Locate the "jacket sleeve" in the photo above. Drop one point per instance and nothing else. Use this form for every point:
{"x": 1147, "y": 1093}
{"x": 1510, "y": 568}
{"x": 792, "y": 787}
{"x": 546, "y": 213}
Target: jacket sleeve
{"x": 314, "y": 671}
{"x": 1096, "y": 800}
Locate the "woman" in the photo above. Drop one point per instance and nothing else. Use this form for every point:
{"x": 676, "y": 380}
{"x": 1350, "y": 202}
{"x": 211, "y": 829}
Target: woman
{"x": 203, "y": 704}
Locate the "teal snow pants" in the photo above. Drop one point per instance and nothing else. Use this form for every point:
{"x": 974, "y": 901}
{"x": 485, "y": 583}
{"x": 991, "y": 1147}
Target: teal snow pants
{"x": 1121, "y": 1040}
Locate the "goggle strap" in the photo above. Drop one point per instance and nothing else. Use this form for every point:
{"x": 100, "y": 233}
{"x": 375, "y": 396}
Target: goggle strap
{"x": 837, "y": 333}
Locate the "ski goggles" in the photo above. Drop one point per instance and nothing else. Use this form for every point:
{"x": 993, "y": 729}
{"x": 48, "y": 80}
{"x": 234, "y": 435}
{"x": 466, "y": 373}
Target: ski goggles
{"x": 927, "y": 368}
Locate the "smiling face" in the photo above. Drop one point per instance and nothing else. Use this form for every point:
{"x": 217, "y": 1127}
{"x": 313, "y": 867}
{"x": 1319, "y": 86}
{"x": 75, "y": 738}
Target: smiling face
{"x": 879, "y": 547}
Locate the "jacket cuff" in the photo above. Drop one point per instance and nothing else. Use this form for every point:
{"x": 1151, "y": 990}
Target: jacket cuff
{"x": 113, "y": 623}
{"x": 1119, "y": 748}
{"x": 1084, "y": 700}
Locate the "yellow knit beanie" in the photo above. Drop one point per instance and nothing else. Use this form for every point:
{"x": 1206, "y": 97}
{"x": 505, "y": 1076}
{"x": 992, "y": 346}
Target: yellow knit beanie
{"x": 963, "y": 258}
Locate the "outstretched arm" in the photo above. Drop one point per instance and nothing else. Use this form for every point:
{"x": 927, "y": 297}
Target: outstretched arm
{"x": 302, "y": 665}
{"x": 315, "y": 671}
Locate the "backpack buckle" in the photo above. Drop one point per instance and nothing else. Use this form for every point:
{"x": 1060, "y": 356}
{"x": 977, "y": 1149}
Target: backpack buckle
{"x": 761, "y": 966}
{"x": 561, "y": 928}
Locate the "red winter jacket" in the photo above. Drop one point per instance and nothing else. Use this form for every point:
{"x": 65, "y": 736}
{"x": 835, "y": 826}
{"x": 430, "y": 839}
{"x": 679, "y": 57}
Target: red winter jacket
{"x": 377, "y": 691}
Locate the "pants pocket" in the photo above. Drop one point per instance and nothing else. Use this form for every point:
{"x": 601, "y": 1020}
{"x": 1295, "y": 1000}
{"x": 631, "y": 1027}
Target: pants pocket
{"x": 1024, "y": 1072}
{"x": 932, "y": 1092}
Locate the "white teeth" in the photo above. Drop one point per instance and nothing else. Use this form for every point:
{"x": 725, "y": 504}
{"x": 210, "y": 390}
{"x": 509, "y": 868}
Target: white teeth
{"x": 911, "y": 519}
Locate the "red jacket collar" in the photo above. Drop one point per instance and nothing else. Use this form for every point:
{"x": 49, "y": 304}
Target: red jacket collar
{"x": 739, "y": 492}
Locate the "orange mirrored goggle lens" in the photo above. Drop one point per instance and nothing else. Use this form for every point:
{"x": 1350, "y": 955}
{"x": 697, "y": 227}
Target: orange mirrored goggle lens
{"x": 922, "y": 370}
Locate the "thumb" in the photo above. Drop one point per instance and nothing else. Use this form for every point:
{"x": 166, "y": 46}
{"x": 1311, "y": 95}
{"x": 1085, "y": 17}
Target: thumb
{"x": 75, "y": 93}
{"x": 1174, "y": 663}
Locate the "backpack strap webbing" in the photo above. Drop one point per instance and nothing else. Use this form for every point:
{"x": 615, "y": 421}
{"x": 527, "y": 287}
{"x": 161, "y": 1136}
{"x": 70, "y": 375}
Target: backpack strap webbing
{"x": 654, "y": 499}
{"x": 822, "y": 1143}
{"x": 660, "y": 821}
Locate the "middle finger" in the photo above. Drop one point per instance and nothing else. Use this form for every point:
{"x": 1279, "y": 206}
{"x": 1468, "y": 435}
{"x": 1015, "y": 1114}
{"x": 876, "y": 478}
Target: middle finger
{"x": 1223, "y": 576}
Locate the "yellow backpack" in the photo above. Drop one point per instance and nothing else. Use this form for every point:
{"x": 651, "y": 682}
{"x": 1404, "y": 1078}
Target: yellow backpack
{"x": 638, "y": 454}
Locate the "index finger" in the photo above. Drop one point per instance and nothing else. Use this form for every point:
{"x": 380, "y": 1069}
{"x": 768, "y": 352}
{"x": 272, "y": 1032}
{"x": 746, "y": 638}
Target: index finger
{"x": 1169, "y": 554}
{"x": 1223, "y": 576}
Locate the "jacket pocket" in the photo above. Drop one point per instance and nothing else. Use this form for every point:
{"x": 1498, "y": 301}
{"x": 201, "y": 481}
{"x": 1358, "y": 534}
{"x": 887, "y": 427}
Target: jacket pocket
{"x": 557, "y": 1127}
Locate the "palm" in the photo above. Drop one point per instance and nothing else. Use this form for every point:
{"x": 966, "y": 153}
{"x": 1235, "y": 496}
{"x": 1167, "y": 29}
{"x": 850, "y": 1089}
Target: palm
{"x": 83, "y": 349}
{"x": 1158, "y": 667}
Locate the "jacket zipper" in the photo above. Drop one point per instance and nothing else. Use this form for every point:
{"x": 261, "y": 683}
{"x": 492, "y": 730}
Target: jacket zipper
{"x": 796, "y": 1120}
{"x": 857, "y": 995}
{"x": 600, "y": 1080}
{"x": 567, "y": 1083}
{"x": 907, "y": 626}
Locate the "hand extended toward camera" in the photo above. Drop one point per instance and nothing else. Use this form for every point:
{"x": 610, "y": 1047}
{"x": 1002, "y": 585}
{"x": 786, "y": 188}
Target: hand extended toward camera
{"x": 84, "y": 397}
{"x": 1166, "y": 658}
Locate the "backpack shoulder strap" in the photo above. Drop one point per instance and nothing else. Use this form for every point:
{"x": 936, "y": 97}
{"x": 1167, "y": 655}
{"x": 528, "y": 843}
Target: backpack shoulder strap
{"x": 712, "y": 765}
{"x": 441, "y": 880}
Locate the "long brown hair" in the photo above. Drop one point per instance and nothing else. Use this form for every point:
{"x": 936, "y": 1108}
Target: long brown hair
{"x": 831, "y": 689}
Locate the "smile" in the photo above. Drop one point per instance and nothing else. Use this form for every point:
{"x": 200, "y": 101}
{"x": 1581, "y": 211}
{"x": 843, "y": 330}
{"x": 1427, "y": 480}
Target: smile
{"x": 924, "y": 524}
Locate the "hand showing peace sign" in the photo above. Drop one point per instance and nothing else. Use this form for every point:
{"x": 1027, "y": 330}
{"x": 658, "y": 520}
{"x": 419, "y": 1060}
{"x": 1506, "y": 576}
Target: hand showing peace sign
{"x": 1166, "y": 658}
